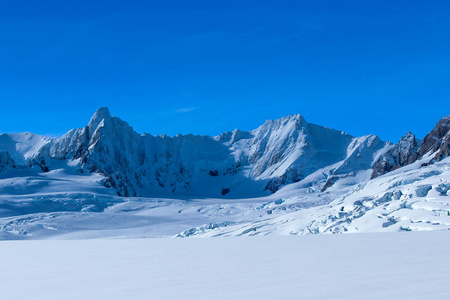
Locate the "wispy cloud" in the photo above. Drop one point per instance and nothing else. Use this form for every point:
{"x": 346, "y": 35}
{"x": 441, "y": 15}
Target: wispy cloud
{"x": 185, "y": 110}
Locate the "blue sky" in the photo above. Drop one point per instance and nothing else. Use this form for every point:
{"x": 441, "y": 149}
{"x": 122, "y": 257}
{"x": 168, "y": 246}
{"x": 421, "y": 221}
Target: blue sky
{"x": 205, "y": 67}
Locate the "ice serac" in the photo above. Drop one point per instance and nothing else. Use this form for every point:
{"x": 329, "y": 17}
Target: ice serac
{"x": 437, "y": 141}
{"x": 403, "y": 153}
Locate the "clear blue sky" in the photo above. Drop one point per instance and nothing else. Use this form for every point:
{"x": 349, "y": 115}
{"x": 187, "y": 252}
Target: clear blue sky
{"x": 205, "y": 67}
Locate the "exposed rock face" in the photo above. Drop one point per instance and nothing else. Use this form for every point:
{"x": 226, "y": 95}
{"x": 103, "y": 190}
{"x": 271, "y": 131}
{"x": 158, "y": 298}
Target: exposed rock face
{"x": 438, "y": 140}
{"x": 40, "y": 162}
{"x": 329, "y": 183}
{"x": 6, "y": 161}
{"x": 402, "y": 154}
{"x": 409, "y": 149}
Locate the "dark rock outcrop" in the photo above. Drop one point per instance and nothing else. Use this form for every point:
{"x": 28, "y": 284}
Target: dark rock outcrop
{"x": 6, "y": 161}
{"x": 330, "y": 182}
{"x": 403, "y": 153}
{"x": 438, "y": 140}
{"x": 409, "y": 149}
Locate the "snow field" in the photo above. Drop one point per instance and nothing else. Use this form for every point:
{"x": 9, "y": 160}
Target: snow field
{"x": 408, "y": 265}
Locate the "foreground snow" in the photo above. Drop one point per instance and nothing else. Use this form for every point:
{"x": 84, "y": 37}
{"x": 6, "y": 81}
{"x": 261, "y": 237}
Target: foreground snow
{"x": 408, "y": 265}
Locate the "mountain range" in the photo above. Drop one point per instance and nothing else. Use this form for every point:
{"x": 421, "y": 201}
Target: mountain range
{"x": 281, "y": 157}
{"x": 277, "y": 153}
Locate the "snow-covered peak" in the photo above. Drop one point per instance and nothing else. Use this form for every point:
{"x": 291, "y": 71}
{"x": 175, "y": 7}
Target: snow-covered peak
{"x": 409, "y": 140}
{"x": 408, "y": 135}
{"x": 288, "y": 149}
{"x": 361, "y": 153}
{"x": 99, "y": 118}
{"x": 231, "y": 137}
{"x": 101, "y": 113}
{"x": 292, "y": 122}
{"x": 22, "y": 146}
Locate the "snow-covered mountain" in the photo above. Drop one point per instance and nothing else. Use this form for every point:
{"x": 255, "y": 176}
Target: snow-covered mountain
{"x": 310, "y": 178}
{"x": 277, "y": 153}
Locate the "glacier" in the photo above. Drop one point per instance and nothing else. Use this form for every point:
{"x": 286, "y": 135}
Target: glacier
{"x": 286, "y": 177}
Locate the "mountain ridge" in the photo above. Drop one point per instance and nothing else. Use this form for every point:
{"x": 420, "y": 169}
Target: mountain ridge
{"x": 277, "y": 153}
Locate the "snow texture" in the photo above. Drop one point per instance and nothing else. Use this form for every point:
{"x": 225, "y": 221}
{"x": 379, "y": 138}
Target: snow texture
{"x": 361, "y": 266}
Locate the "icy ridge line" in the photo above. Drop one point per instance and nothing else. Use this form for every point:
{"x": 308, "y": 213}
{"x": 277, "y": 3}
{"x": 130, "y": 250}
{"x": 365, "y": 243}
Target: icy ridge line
{"x": 232, "y": 165}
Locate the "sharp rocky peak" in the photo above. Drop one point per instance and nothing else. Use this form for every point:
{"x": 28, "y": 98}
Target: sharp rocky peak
{"x": 438, "y": 140}
{"x": 297, "y": 119}
{"x": 100, "y": 115}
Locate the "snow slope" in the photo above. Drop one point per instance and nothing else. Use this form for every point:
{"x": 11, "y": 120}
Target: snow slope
{"x": 69, "y": 205}
{"x": 360, "y": 266}
{"x": 22, "y": 146}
